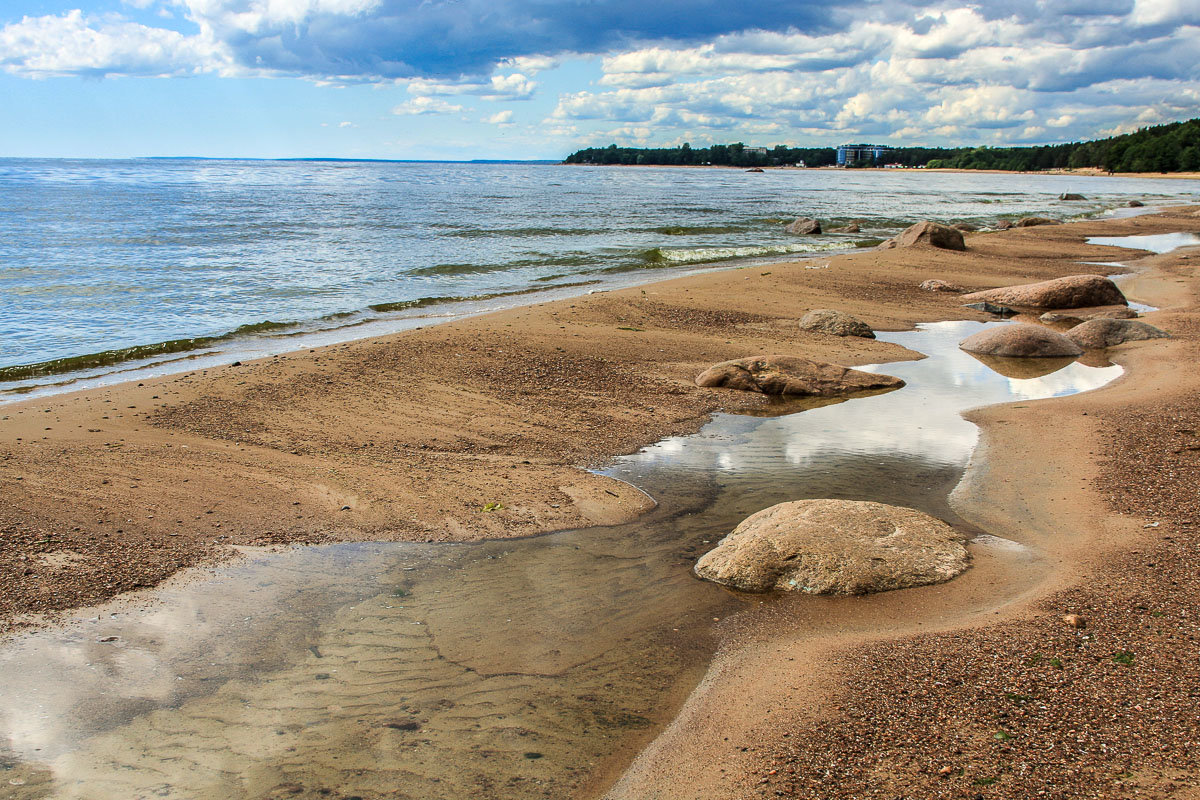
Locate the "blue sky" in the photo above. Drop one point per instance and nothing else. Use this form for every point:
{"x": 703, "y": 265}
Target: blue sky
{"x": 537, "y": 79}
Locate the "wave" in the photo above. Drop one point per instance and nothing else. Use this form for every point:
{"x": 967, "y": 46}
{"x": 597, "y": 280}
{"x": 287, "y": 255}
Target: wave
{"x": 660, "y": 256}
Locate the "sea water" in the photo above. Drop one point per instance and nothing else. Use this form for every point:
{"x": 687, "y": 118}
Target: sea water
{"x": 106, "y": 265}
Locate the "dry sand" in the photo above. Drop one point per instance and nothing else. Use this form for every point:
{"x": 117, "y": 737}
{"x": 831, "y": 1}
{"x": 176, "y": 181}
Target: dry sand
{"x": 412, "y": 436}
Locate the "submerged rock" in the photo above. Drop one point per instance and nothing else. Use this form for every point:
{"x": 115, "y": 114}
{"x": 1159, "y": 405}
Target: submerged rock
{"x": 931, "y": 233}
{"x": 835, "y": 323}
{"x": 1029, "y": 222}
{"x": 965, "y": 227}
{"x": 1071, "y": 196}
{"x": 851, "y": 228}
{"x": 1104, "y": 332}
{"x": 787, "y": 375}
{"x": 1073, "y": 291}
{"x": 938, "y": 285}
{"x": 1004, "y": 224}
{"x": 1135, "y": 204}
{"x": 835, "y": 547}
{"x": 1020, "y": 341}
{"x": 991, "y": 308}
{"x": 803, "y": 226}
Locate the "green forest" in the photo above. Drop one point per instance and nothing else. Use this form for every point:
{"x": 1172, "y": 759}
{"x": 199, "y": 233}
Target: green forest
{"x": 1162, "y": 148}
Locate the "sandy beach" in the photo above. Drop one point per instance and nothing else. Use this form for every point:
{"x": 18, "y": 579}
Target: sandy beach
{"x": 484, "y": 428}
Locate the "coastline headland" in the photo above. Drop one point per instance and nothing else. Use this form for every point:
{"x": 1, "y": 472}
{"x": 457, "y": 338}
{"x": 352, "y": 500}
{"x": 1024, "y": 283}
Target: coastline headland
{"x": 484, "y": 428}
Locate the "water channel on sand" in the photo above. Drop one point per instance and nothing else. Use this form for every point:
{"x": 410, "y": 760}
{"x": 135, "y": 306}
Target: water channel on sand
{"x": 503, "y": 669}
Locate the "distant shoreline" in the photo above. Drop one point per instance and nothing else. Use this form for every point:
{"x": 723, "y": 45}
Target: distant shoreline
{"x": 1088, "y": 172}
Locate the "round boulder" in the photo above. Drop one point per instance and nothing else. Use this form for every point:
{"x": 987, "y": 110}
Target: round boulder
{"x": 788, "y": 375}
{"x": 1096, "y": 334}
{"x": 930, "y": 233}
{"x": 835, "y": 323}
{"x": 835, "y": 547}
{"x": 1020, "y": 340}
{"x": 1073, "y": 291}
{"x": 803, "y": 226}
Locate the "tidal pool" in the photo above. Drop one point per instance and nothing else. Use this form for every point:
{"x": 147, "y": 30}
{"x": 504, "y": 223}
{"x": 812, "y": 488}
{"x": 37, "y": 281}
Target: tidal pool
{"x": 507, "y": 669}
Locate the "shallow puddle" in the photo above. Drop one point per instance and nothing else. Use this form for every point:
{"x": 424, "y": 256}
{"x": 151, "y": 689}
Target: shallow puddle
{"x": 1154, "y": 242}
{"x": 510, "y": 669}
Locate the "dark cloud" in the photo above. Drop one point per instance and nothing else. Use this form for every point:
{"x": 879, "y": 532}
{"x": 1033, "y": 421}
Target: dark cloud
{"x": 447, "y": 39}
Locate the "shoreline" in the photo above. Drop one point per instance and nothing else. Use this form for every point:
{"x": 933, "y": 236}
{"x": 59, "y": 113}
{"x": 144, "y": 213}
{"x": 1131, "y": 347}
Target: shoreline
{"x": 613, "y": 389}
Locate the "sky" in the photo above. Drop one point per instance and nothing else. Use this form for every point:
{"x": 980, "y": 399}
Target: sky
{"x": 534, "y": 79}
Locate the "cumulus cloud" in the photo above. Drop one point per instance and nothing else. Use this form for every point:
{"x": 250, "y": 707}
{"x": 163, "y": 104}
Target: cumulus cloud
{"x": 73, "y": 44}
{"x": 953, "y": 74}
{"x": 426, "y": 105}
{"x": 500, "y": 118}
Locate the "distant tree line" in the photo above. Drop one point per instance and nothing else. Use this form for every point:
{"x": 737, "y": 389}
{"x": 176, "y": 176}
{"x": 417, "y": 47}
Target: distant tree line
{"x": 1162, "y": 148}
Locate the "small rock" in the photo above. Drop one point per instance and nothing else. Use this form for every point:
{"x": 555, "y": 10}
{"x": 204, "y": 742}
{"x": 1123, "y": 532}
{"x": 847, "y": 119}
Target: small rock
{"x": 756, "y": 169}
{"x": 991, "y": 308}
{"x": 835, "y": 323}
{"x": 1096, "y": 334}
{"x": 965, "y": 227}
{"x": 804, "y": 226}
{"x": 1135, "y": 204}
{"x": 1114, "y": 313}
{"x": 1029, "y": 222}
{"x": 851, "y": 228}
{"x": 1003, "y": 225}
{"x": 1074, "y": 621}
{"x": 1071, "y": 196}
{"x": 1020, "y": 341}
{"x": 1061, "y": 320}
{"x": 236, "y": 364}
{"x": 406, "y": 725}
{"x": 787, "y": 375}
{"x": 936, "y": 285}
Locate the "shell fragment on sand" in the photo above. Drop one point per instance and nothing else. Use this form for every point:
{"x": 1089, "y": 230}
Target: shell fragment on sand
{"x": 835, "y": 547}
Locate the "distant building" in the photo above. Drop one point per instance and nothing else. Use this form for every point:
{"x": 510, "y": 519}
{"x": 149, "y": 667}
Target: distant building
{"x": 755, "y": 151}
{"x": 850, "y": 153}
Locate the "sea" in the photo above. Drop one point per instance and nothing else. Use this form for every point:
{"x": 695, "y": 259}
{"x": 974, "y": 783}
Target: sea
{"x": 114, "y": 270}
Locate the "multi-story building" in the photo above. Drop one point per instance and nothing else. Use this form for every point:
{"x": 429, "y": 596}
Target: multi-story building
{"x": 850, "y": 153}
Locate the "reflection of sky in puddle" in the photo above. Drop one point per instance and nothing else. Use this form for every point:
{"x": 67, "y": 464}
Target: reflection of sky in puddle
{"x": 1154, "y": 242}
{"x": 503, "y": 634}
{"x": 921, "y": 422}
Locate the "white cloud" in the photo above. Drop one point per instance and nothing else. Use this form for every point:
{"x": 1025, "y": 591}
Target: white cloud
{"x": 72, "y": 44}
{"x": 426, "y": 105}
{"x": 500, "y": 118}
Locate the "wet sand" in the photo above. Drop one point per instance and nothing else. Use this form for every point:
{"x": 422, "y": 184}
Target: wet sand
{"x": 413, "y": 436}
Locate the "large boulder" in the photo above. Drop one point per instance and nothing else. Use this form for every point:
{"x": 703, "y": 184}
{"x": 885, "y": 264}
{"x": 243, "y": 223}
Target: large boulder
{"x": 788, "y": 375}
{"x": 938, "y": 285}
{"x": 1029, "y": 222}
{"x": 931, "y": 233}
{"x": 835, "y": 323}
{"x": 803, "y": 226}
{"x": 1073, "y": 291}
{"x": 835, "y": 547}
{"x": 1102, "y": 332}
{"x": 1020, "y": 340}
